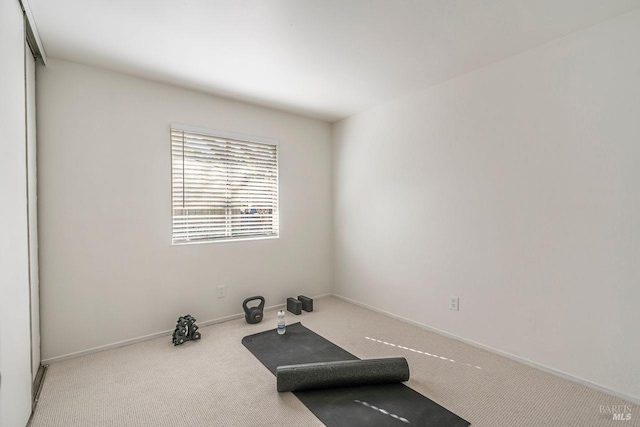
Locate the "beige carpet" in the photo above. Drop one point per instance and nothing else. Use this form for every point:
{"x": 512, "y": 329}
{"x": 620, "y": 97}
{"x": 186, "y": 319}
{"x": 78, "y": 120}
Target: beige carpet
{"x": 217, "y": 382}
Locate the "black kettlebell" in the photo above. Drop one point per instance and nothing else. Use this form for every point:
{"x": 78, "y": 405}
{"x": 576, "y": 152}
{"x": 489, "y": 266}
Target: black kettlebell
{"x": 253, "y": 314}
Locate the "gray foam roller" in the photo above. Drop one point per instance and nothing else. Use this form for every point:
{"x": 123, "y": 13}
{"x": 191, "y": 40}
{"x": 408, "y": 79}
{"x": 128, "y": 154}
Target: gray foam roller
{"x": 347, "y": 373}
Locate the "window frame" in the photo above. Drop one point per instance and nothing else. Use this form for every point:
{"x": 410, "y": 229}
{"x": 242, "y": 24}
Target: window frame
{"x": 224, "y": 135}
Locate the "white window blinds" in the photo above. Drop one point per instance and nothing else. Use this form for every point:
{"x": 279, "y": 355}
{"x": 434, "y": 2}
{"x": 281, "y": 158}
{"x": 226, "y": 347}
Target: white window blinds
{"x": 222, "y": 188}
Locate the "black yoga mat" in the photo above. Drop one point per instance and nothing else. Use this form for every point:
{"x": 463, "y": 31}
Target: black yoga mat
{"x": 372, "y": 405}
{"x": 344, "y": 373}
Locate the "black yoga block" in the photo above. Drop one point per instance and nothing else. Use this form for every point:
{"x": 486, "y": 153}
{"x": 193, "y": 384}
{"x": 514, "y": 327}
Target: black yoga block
{"x": 307, "y": 303}
{"x": 294, "y": 306}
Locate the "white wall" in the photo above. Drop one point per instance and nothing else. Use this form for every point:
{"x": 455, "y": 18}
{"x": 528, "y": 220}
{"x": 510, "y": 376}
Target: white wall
{"x": 15, "y": 342}
{"x": 515, "y": 187}
{"x": 108, "y": 272}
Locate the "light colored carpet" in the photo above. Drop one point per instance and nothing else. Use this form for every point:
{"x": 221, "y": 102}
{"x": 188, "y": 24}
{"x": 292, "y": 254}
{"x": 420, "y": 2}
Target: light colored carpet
{"x": 217, "y": 382}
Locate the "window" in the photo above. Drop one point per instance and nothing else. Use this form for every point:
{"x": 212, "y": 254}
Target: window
{"x": 224, "y": 186}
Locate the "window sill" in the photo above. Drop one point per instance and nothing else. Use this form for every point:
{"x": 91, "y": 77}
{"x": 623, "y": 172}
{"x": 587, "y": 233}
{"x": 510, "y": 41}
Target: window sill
{"x": 226, "y": 240}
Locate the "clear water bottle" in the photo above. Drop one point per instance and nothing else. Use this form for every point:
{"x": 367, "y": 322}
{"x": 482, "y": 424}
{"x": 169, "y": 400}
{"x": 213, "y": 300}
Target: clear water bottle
{"x": 281, "y": 325}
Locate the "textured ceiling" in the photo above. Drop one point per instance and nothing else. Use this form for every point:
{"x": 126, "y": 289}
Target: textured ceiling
{"x": 327, "y": 59}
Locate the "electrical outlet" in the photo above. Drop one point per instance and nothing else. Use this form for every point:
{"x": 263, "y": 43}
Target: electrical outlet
{"x": 454, "y": 303}
{"x": 222, "y": 291}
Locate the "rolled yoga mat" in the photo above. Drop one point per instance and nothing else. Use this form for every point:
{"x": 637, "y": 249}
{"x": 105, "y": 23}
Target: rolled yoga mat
{"x": 368, "y": 405}
{"x": 344, "y": 373}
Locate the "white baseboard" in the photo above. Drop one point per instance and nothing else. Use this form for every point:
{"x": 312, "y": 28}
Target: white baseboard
{"x": 155, "y": 335}
{"x": 590, "y": 384}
